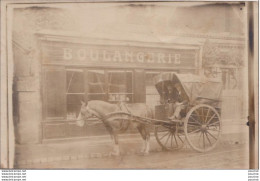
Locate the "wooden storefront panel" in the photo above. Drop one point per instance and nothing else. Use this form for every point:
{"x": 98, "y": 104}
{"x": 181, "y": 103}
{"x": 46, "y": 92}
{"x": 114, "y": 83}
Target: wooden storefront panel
{"x": 139, "y": 86}
{"x": 54, "y": 93}
{"x": 71, "y": 130}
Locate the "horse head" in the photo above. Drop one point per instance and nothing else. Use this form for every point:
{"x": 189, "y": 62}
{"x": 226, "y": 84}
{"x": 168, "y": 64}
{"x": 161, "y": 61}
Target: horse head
{"x": 84, "y": 114}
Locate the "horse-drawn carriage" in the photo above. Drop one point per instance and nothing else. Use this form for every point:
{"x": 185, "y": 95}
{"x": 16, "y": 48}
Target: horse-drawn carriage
{"x": 198, "y": 118}
{"x": 189, "y": 110}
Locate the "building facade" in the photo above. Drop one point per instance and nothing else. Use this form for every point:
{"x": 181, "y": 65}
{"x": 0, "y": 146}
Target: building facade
{"x": 56, "y": 68}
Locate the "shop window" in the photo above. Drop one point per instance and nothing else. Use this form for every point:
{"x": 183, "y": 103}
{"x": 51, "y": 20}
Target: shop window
{"x": 96, "y": 85}
{"x": 152, "y": 96}
{"x": 228, "y": 76}
{"x": 65, "y": 88}
{"x": 120, "y": 86}
{"x": 74, "y": 91}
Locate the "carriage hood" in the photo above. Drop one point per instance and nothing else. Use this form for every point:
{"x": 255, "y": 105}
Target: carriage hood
{"x": 193, "y": 86}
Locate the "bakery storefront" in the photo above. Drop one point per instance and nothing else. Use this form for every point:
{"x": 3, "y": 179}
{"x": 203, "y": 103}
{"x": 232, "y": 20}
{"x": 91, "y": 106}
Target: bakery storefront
{"x": 75, "y": 70}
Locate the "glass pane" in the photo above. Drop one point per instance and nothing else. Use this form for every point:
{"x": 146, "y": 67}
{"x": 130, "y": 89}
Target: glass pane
{"x": 120, "y": 86}
{"x": 116, "y": 82}
{"x": 120, "y": 82}
{"x": 75, "y": 98}
{"x": 120, "y": 97}
{"x": 102, "y": 97}
{"x": 73, "y": 105}
{"x": 96, "y": 81}
{"x": 129, "y": 82}
{"x": 75, "y": 81}
{"x": 152, "y": 96}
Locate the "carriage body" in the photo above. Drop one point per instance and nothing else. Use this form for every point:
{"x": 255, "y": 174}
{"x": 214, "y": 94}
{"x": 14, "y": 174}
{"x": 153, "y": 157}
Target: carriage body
{"x": 199, "y": 119}
{"x": 194, "y": 89}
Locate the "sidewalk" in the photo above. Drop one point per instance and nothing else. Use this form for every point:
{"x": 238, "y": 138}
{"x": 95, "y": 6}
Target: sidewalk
{"x": 97, "y": 147}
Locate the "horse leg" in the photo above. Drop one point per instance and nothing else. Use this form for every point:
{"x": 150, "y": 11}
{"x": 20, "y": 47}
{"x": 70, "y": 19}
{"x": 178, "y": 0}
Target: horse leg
{"x": 116, "y": 150}
{"x": 143, "y": 132}
{"x": 147, "y": 140}
{"x": 114, "y": 138}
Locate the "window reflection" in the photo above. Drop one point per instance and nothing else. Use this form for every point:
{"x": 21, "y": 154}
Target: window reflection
{"x": 96, "y": 81}
{"x": 152, "y": 96}
{"x": 96, "y": 85}
{"x": 74, "y": 91}
{"x": 120, "y": 86}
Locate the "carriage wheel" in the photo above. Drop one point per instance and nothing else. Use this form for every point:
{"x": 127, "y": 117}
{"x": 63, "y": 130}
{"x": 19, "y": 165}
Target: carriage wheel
{"x": 171, "y": 136}
{"x": 202, "y": 127}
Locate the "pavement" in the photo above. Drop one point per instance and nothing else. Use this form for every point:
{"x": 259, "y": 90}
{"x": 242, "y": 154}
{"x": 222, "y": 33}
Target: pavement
{"x": 93, "y": 152}
{"x": 222, "y": 157}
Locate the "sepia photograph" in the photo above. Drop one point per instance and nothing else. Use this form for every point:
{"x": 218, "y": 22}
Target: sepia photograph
{"x": 129, "y": 85}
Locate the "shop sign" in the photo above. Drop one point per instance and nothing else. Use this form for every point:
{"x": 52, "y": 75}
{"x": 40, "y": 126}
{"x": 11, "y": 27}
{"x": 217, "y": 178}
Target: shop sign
{"x": 93, "y": 55}
{"x": 143, "y": 56}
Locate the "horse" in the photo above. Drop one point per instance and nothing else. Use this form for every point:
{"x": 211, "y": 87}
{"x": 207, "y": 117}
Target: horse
{"x": 100, "y": 109}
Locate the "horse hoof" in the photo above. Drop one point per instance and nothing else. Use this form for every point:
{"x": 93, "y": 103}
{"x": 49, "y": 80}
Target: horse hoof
{"x": 114, "y": 154}
{"x": 143, "y": 153}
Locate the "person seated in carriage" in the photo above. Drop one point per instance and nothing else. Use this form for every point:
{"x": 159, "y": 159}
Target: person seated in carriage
{"x": 176, "y": 101}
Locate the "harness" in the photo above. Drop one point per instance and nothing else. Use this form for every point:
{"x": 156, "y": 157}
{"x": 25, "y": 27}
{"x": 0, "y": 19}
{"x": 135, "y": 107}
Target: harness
{"x": 124, "y": 123}
{"x": 122, "y": 107}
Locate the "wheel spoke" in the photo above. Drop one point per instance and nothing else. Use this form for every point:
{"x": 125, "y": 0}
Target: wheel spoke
{"x": 191, "y": 125}
{"x": 212, "y": 135}
{"x": 195, "y": 120}
{"x": 175, "y": 140}
{"x": 164, "y": 135}
{"x": 171, "y": 140}
{"x": 180, "y": 139}
{"x": 167, "y": 139}
{"x": 204, "y": 117}
{"x": 212, "y": 124}
{"x": 161, "y": 131}
{"x": 208, "y": 138}
{"x": 199, "y": 115}
{"x": 211, "y": 118}
{"x": 207, "y": 116}
{"x": 194, "y": 131}
{"x": 200, "y": 137}
{"x": 203, "y": 141}
{"x": 213, "y": 130}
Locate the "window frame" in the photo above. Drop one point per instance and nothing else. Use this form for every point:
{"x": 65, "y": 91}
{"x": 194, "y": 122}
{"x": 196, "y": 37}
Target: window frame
{"x": 125, "y": 77}
{"x": 86, "y": 94}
